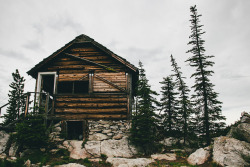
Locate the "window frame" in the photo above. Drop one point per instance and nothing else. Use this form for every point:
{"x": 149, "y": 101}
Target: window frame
{"x": 73, "y": 88}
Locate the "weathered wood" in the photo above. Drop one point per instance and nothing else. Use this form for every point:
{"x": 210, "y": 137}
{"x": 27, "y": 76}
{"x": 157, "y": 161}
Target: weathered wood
{"x": 89, "y": 105}
{"x": 27, "y": 104}
{"x": 110, "y": 83}
{"x": 87, "y": 100}
{"x": 91, "y": 111}
{"x": 89, "y": 61}
{"x": 89, "y": 116}
{"x": 130, "y": 97}
{"x": 120, "y": 95}
{"x": 108, "y": 94}
{"x": 73, "y": 77}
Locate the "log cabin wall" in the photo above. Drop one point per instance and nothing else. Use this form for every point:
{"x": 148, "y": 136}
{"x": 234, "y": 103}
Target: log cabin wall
{"x": 109, "y": 84}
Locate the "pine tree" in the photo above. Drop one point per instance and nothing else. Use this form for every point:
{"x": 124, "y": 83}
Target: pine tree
{"x": 185, "y": 108}
{"x": 207, "y": 107}
{"x": 144, "y": 123}
{"x": 169, "y": 106}
{"x": 16, "y": 99}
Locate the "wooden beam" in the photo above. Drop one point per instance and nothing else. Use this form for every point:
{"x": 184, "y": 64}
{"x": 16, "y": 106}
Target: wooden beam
{"x": 27, "y": 105}
{"x": 90, "y": 116}
{"x": 110, "y": 83}
{"x": 91, "y": 111}
{"x": 89, "y": 61}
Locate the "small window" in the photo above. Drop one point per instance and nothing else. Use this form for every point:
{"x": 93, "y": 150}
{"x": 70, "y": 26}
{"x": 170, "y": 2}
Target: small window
{"x": 81, "y": 87}
{"x": 75, "y": 87}
{"x": 65, "y": 87}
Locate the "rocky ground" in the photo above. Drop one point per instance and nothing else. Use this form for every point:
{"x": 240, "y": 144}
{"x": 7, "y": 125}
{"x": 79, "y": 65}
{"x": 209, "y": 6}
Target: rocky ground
{"x": 108, "y": 148}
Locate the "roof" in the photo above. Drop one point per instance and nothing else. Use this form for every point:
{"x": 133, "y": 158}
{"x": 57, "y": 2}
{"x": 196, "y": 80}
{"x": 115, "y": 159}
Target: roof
{"x": 83, "y": 39}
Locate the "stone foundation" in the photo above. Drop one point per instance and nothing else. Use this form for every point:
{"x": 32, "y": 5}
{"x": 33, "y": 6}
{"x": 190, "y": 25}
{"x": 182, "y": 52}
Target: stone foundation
{"x": 104, "y": 130}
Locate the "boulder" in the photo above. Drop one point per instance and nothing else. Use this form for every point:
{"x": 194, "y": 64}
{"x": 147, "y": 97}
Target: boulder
{"x": 98, "y": 137}
{"x": 27, "y": 163}
{"x": 4, "y": 137}
{"x": 168, "y": 157}
{"x": 243, "y": 130}
{"x": 13, "y": 150}
{"x": 3, "y": 156}
{"x": 57, "y": 129}
{"x": 231, "y": 152}
{"x": 124, "y": 162}
{"x": 118, "y": 136}
{"x": 117, "y": 148}
{"x": 106, "y": 131}
{"x": 75, "y": 149}
{"x": 93, "y": 148}
{"x": 169, "y": 141}
{"x": 199, "y": 157}
{"x": 245, "y": 118}
{"x": 70, "y": 165}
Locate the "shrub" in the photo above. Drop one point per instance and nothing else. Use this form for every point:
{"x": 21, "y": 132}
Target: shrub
{"x": 31, "y": 132}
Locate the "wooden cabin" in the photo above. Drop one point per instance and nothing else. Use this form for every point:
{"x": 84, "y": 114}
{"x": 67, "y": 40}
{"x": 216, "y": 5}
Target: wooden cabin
{"x": 86, "y": 80}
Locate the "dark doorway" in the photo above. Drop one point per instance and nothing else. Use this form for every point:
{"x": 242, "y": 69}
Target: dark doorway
{"x": 75, "y": 130}
{"x": 47, "y": 84}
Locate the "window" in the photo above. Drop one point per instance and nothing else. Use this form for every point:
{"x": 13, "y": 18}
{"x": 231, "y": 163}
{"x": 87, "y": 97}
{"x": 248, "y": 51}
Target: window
{"x": 75, "y": 87}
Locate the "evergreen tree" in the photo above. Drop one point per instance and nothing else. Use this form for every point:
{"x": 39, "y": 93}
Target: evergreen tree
{"x": 185, "y": 108}
{"x": 31, "y": 132}
{"x": 169, "y": 105}
{"x": 16, "y": 99}
{"x": 144, "y": 122}
{"x": 207, "y": 107}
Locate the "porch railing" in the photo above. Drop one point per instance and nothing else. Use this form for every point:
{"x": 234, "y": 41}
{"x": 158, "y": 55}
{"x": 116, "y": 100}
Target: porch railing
{"x": 36, "y": 102}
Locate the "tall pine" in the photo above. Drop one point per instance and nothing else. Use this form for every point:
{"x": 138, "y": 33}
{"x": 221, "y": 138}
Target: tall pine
{"x": 184, "y": 102}
{"x": 207, "y": 107}
{"x": 144, "y": 122}
{"x": 16, "y": 99}
{"x": 169, "y": 106}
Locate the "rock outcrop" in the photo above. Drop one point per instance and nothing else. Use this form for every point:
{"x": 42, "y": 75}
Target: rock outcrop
{"x": 4, "y": 137}
{"x": 70, "y": 165}
{"x": 117, "y": 148}
{"x": 75, "y": 149}
{"x": 242, "y": 131}
{"x": 124, "y": 162}
{"x": 169, "y": 141}
{"x": 167, "y": 157}
{"x": 231, "y": 152}
{"x": 93, "y": 149}
{"x": 199, "y": 157}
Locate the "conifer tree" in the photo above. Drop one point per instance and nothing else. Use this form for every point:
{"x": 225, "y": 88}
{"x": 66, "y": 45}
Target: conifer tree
{"x": 143, "y": 130}
{"x": 169, "y": 106}
{"x": 16, "y": 99}
{"x": 207, "y": 107}
{"x": 185, "y": 108}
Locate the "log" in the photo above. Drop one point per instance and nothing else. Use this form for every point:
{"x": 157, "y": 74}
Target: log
{"x": 90, "y": 105}
{"x": 90, "y": 116}
{"x": 91, "y": 111}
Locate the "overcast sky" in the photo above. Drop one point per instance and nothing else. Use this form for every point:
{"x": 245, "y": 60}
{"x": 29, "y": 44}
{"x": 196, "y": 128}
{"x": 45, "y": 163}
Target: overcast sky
{"x": 144, "y": 30}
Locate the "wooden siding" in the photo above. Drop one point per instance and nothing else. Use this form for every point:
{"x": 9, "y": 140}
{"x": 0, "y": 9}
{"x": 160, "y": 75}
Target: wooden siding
{"x": 91, "y": 106}
{"x": 108, "y": 95}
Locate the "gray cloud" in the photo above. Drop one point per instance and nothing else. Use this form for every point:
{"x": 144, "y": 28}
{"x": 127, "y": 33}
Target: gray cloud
{"x": 33, "y": 45}
{"x": 136, "y": 30}
{"x": 12, "y": 54}
{"x": 61, "y": 22}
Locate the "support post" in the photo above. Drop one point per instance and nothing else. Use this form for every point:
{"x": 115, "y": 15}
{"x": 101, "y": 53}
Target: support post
{"x": 46, "y": 109}
{"x": 27, "y": 104}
